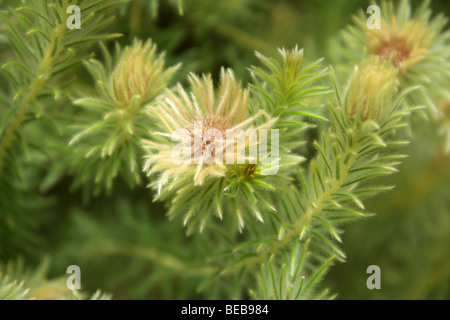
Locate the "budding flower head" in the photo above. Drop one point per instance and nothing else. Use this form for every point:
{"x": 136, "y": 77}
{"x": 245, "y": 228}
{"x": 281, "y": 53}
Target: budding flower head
{"x": 139, "y": 74}
{"x": 371, "y": 91}
{"x": 125, "y": 84}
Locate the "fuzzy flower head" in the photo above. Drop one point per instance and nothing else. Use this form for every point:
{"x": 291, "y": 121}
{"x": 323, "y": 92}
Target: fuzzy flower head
{"x": 212, "y": 153}
{"x": 202, "y": 131}
{"x": 371, "y": 91}
{"x": 139, "y": 74}
{"x": 414, "y": 43}
{"x": 407, "y": 44}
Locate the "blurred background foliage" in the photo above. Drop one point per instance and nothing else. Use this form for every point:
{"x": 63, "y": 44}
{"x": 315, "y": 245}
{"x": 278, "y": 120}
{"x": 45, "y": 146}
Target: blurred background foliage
{"x": 123, "y": 242}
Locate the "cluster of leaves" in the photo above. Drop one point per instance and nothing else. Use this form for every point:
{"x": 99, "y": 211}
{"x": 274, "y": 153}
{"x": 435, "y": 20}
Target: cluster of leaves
{"x": 292, "y": 280}
{"x": 45, "y": 51}
{"x": 328, "y": 192}
{"x": 11, "y": 290}
{"x": 18, "y": 283}
{"x": 413, "y": 215}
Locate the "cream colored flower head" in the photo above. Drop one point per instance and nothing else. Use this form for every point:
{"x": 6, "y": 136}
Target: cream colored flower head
{"x": 194, "y": 138}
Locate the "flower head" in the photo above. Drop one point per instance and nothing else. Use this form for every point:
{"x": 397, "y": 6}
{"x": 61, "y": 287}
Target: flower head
{"x": 117, "y": 119}
{"x": 213, "y": 152}
{"x": 139, "y": 73}
{"x": 371, "y": 91}
{"x": 415, "y": 44}
{"x": 202, "y": 120}
{"x": 407, "y": 44}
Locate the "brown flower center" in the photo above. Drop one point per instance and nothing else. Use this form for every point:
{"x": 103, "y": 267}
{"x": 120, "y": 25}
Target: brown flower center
{"x": 397, "y": 47}
{"x": 201, "y": 141}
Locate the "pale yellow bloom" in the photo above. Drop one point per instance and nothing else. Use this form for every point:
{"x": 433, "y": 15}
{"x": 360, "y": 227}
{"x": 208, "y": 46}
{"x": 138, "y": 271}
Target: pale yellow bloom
{"x": 371, "y": 91}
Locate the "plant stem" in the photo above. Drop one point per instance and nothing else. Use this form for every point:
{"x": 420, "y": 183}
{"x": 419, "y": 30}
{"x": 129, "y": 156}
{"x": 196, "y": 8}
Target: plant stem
{"x": 311, "y": 210}
{"x": 156, "y": 256}
{"x": 43, "y": 74}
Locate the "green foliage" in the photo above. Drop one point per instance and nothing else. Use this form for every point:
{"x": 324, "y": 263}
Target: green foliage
{"x": 11, "y": 290}
{"x": 44, "y": 49}
{"x": 76, "y": 128}
{"x": 282, "y": 87}
{"x": 289, "y": 282}
{"x": 18, "y": 283}
{"x": 332, "y": 186}
{"x": 413, "y": 215}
